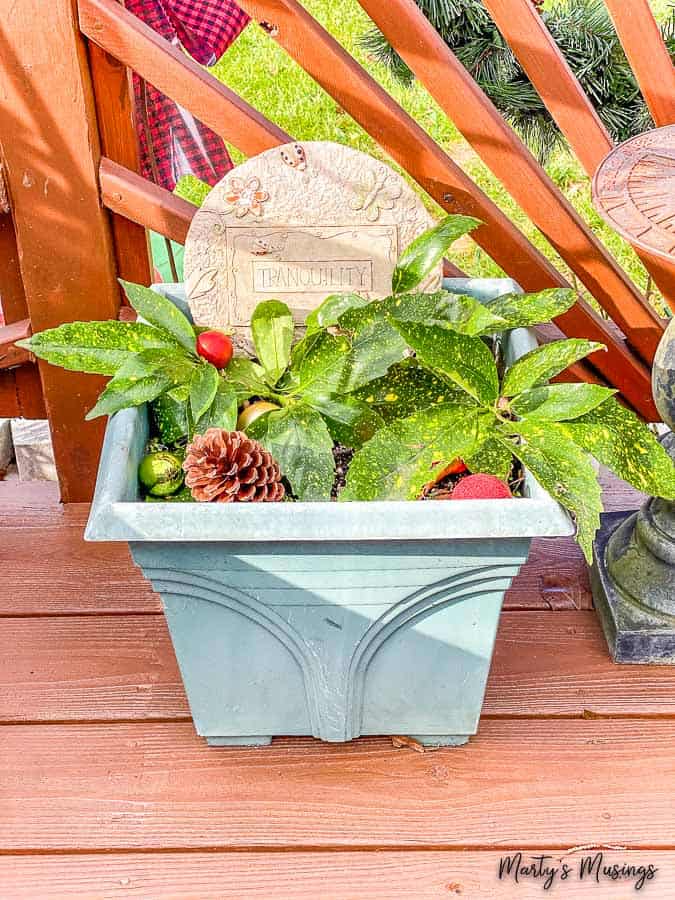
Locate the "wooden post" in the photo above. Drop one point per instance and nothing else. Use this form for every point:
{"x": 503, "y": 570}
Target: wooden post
{"x": 114, "y": 108}
{"x": 50, "y": 142}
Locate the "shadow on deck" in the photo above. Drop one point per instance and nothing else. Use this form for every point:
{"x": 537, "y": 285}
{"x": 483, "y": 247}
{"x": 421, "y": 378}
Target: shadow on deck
{"x": 105, "y": 791}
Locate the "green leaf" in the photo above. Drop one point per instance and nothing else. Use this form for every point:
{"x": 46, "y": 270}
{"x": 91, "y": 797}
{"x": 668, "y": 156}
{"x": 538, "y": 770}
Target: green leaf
{"x": 406, "y": 388}
{"x": 468, "y": 361}
{"x": 142, "y": 378}
{"x": 338, "y": 364}
{"x": 98, "y": 347}
{"x": 298, "y": 439}
{"x": 192, "y": 189}
{"x": 524, "y": 310}
{"x": 272, "y": 330}
{"x": 350, "y": 421}
{"x": 223, "y": 410}
{"x": 401, "y": 459}
{"x": 564, "y": 470}
{"x": 560, "y": 401}
{"x": 426, "y": 251}
{"x": 492, "y": 457}
{"x": 542, "y": 363}
{"x": 247, "y": 378}
{"x": 330, "y": 310}
{"x": 169, "y": 415}
{"x": 203, "y": 389}
{"x": 461, "y": 313}
{"x": 161, "y": 313}
{"x": 619, "y": 440}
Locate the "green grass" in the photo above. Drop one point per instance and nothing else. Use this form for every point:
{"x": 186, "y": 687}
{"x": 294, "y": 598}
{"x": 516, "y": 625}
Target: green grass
{"x": 266, "y": 77}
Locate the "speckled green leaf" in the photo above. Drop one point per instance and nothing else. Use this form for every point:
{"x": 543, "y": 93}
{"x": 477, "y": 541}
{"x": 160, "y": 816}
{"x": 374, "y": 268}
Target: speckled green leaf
{"x": 142, "y": 378}
{"x": 406, "y": 388}
{"x": 272, "y": 331}
{"x": 524, "y": 310}
{"x": 564, "y": 470}
{"x": 466, "y": 360}
{"x": 492, "y": 457}
{"x": 203, "y": 388}
{"x": 329, "y": 311}
{"x": 222, "y": 412}
{"x": 350, "y": 421}
{"x": 461, "y": 313}
{"x": 560, "y": 401}
{"x": 401, "y": 459}
{"x": 98, "y": 347}
{"x": 427, "y": 250}
{"x": 247, "y": 378}
{"x": 363, "y": 350}
{"x": 161, "y": 313}
{"x": 542, "y": 363}
{"x": 618, "y": 439}
{"x": 297, "y": 437}
{"x": 192, "y": 189}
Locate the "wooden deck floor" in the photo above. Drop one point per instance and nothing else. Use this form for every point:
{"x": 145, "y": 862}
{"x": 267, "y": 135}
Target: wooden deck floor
{"x": 105, "y": 791}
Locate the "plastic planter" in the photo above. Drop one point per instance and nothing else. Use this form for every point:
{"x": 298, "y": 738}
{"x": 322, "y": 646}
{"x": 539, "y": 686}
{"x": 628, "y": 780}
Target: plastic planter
{"x": 326, "y": 619}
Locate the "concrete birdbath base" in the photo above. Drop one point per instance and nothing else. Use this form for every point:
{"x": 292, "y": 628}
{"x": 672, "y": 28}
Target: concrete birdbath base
{"x": 327, "y": 619}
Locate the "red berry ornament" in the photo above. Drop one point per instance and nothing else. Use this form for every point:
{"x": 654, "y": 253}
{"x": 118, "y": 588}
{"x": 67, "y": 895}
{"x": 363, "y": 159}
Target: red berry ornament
{"x": 481, "y": 487}
{"x": 215, "y": 347}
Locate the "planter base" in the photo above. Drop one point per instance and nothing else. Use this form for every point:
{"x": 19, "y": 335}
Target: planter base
{"x": 253, "y": 740}
{"x": 634, "y": 632}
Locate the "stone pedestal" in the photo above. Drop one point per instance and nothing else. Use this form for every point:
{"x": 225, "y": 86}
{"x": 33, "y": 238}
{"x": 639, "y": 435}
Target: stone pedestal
{"x": 633, "y": 575}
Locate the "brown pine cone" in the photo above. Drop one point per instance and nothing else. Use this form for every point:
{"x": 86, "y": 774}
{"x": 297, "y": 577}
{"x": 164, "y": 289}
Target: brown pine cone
{"x": 228, "y": 466}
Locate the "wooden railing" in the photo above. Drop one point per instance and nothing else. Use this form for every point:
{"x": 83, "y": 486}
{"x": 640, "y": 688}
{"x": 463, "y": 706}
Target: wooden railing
{"x": 68, "y": 142}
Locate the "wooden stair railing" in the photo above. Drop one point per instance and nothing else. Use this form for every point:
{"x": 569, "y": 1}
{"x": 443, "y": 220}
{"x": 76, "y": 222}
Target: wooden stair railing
{"x": 438, "y": 69}
{"x": 118, "y": 32}
{"x": 523, "y": 28}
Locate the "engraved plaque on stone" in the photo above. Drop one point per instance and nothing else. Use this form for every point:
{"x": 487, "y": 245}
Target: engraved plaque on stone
{"x": 298, "y": 223}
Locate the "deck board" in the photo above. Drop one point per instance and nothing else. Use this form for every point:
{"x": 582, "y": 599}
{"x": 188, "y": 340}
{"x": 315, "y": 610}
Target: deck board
{"x": 123, "y": 667}
{"x": 157, "y": 785}
{"x": 105, "y": 790}
{"x": 385, "y": 875}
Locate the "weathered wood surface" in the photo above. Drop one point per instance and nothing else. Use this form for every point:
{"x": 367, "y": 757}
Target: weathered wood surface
{"x": 50, "y": 146}
{"x": 9, "y": 354}
{"x": 383, "y": 875}
{"x": 524, "y": 28}
{"x": 110, "y": 668}
{"x": 409, "y": 145}
{"x": 446, "y": 79}
{"x": 157, "y": 785}
{"x": 647, "y": 54}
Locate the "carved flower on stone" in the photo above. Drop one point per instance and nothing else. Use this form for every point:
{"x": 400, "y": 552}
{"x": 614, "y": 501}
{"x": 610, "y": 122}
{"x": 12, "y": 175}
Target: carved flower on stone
{"x": 245, "y": 197}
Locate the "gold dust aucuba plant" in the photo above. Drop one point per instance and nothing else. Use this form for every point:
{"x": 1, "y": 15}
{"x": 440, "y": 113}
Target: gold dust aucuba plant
{"x": 411, "y": 383}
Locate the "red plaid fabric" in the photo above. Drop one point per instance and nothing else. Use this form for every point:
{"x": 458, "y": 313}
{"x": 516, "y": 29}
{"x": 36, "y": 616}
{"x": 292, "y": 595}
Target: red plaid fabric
{"x": 172, "y": 142}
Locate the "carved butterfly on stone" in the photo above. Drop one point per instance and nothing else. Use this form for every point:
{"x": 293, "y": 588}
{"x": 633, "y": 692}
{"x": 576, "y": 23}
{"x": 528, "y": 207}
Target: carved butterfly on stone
{"x": 294, "y": 157}
{"x": 376, "y": 194}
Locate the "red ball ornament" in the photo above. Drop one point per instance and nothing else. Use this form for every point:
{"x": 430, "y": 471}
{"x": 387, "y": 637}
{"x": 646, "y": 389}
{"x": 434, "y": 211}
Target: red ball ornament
{"x": 481, "y": 487}
{"x": 215, "y": 347}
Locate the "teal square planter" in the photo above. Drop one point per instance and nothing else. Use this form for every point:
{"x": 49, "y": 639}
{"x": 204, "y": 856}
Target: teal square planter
{"x": 326, "y": 619}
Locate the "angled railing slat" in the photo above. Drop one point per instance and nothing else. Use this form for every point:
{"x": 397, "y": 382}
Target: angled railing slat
{"x": 524, "y": 30}
{"x": 446, "y": 79}
{"x": 647, "y": 54}
{"x": 125, "y": 37}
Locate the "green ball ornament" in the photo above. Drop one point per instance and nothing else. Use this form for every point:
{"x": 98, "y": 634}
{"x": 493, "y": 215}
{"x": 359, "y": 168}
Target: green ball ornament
{"x": 161, "y": 473}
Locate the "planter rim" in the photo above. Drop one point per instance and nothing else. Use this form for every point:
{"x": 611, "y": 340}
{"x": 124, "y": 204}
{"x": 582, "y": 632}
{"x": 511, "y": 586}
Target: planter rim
{"x": 117, "y": 515}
